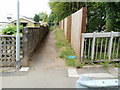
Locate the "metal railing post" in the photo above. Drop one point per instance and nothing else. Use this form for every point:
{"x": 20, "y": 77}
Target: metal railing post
{"x": 93, "y": 47}
{"x": 82, "y": 49}
{"x": 110, "y": 46}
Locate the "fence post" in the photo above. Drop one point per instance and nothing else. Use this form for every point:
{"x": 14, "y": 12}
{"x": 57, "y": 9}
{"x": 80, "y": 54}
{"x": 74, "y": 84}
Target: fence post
{"x": 69, "y": 21}
{"x": 82, "y": 30}
{"x": 82, "y": 49}
{"x": 63, "y": 24}
{"x": 93, "y": 47}
{"x": 110, "y": 46}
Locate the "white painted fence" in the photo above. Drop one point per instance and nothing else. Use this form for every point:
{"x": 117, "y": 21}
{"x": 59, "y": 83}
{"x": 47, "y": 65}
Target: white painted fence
{"x": 100, "y": 46}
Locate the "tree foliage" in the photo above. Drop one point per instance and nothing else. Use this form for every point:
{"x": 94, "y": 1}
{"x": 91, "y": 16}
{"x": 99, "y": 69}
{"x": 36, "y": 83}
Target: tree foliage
{"x": 51, "y": 19}
{"x": 101, "y": 15}
{"x": 36, "y": 18}
{"x": 43, "y": 16}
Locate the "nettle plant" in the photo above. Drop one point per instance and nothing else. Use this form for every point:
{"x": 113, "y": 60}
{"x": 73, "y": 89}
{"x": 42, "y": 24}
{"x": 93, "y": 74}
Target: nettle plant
{"x": 10, "y": 30}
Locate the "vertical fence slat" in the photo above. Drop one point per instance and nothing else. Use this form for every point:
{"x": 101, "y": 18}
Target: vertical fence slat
{"x": 96, "y": 49}
{"x": 82, "y": 49}
{"x": 110, "y": 46}
{"x": 93, "y": 47}
{"x": 105, "y": 47}
{"x": 85, "y": 55}
{"x": 89, "y": 49}
{"x": 101, "y": 48}
{"x": 118, "y": 46}
{"x": 114, "y": 47}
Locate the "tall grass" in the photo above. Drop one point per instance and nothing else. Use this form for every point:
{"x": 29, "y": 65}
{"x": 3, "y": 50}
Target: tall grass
{"x": 65, "y": 48}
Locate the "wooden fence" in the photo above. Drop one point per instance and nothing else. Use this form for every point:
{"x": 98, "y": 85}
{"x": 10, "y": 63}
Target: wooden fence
{"x": 67, "y": 27}
{"x": 74, "y": 25}
{"x": 90, "y": 47}
{"x": 30, "y": 40}
{"x": 62, "y": 24}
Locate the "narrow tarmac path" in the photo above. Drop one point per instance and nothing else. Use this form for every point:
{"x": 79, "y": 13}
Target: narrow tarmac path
{"x": 47, "y": 70}
{"x": 47, "y": 55}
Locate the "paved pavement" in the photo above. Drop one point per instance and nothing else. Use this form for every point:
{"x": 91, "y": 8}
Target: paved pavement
{"x": 47, "y": 70}
{"x": 56, "y": 78}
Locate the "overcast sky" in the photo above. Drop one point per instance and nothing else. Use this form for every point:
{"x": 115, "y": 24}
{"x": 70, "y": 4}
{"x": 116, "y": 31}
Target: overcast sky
{"x": 28, "y": 8}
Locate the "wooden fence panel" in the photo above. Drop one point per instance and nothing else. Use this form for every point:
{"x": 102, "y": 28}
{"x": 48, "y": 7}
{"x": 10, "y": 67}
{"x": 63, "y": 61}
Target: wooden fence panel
{"x": 77, "y": 27}
{"x": 69, "y": 21}
{"x": 65, "y": 27}
{"x": 62, "y": 24}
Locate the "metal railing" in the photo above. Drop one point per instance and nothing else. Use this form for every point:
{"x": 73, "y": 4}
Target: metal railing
{"x": 100, "y": 46}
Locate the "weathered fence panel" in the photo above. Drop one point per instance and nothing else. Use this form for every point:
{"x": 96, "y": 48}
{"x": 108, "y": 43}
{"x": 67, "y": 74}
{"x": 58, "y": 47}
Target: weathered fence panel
{"x": 67, "y": 28}
{"x": 77, "y": 28}
{"x": 62, "y": 24}
{"x": 69, "y": 21}
{"x": 8, "y": 50}
{"x": 100, "y": 46}
{"x": 73, "y": 26}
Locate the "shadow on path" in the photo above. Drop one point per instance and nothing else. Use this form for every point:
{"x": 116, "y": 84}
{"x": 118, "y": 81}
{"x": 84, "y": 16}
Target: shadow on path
{"x": 46, "y": 57}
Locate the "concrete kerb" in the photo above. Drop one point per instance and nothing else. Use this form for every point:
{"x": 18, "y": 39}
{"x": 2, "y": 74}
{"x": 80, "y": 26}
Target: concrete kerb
{"x": 98, "y": 69}
{"x": 11, "y": 71}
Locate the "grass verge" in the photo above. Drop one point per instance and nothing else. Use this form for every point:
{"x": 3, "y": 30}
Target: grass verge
{"x": 65, "y": 49}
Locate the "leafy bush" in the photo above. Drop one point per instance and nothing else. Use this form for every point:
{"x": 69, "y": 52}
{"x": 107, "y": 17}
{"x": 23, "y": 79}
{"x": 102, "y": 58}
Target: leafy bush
{"x": 10, "y": 30}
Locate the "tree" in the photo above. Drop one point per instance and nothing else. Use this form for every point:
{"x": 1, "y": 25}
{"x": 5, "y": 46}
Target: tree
{"x": 43, "y": 16}
{"x": 112, "y": 16}
{"x": 60, "y": 10}
{"x": 50, "y": 20}
{"x": 101, "y": 15}
{"x": 36, "y": 18}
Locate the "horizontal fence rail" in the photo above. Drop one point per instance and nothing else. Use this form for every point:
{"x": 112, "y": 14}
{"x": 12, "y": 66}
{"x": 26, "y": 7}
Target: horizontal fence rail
{"x": 100, "y": 46}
